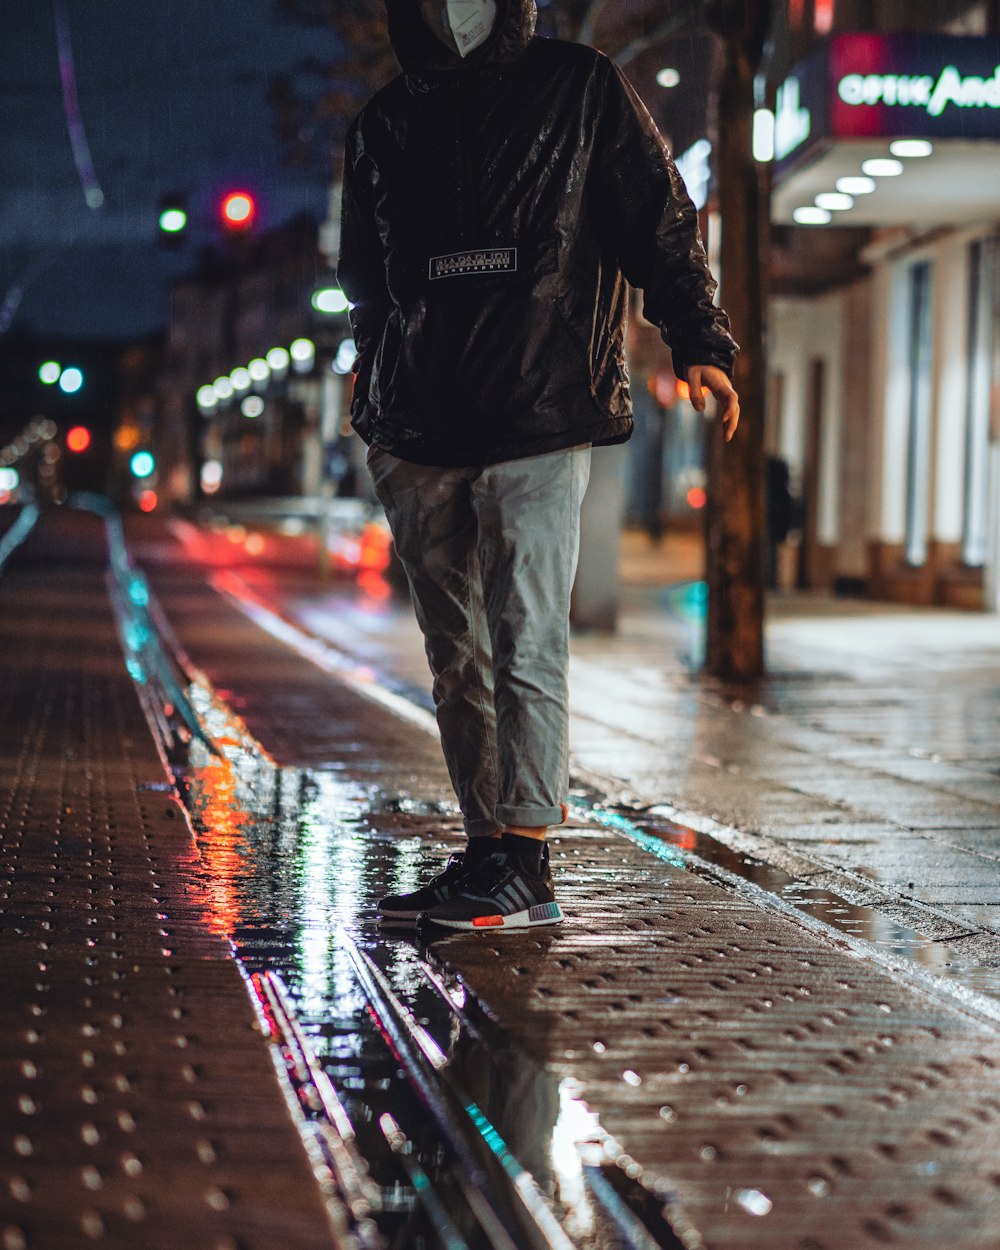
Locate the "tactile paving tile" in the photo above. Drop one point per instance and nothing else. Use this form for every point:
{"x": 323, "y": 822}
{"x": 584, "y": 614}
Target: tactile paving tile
{"x": 788, "y": 1095}
{"x": 744, "y": 1064}
{"x": 139, "y": 1102}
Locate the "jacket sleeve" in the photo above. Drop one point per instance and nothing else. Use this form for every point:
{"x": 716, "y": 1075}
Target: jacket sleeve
{"x": 360, "y": 265}
{"x": 652, "y": 226}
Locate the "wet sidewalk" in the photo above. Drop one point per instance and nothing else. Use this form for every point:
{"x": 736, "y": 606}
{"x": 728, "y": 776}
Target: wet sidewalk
{"x": 863, "y": 775}
{"x": 140, "y": 1106}
{"x": 691, "y": 1060}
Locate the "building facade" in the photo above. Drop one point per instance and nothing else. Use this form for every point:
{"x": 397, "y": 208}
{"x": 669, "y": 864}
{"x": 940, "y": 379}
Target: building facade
{"x": 883, "y": 361}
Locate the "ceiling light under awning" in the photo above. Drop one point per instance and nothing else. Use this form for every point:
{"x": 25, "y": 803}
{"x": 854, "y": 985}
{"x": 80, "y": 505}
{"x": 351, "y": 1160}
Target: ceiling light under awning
{"x": 882, "y": 167}
{"x": 959, "y": 183}
{"x": 912, "y": 148}
{"x": 834, "y": 201}
{"x": 858, "y": 184}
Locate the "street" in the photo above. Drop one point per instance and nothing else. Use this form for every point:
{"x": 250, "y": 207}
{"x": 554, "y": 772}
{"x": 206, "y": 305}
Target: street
{"x": 770, "y": 1020}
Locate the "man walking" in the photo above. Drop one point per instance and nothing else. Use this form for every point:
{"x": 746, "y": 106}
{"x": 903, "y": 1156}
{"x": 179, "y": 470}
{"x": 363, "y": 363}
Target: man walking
{"x": 498, "y": 195}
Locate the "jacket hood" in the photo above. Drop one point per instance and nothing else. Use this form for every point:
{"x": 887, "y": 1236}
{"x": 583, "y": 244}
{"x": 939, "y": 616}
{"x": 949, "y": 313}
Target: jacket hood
{"x": 420, "y": 53}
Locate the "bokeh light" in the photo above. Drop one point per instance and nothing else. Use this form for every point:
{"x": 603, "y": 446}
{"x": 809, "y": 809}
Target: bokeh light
{"x": 211, "y": 476}
{"x": 70, "y": 380}
{"x": 142, "y": 464}
{"x": 78, "y": 438}
{"x": 331, "y": 300}
{"x": 238, "y": 210}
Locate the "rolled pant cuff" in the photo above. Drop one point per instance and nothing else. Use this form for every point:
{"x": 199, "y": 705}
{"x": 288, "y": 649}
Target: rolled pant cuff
{"x": 529, "y": 817}
{"x": 481, "y": 828}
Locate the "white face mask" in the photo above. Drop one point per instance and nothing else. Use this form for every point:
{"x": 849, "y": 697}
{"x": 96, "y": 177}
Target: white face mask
{"x": 461, "y": 25}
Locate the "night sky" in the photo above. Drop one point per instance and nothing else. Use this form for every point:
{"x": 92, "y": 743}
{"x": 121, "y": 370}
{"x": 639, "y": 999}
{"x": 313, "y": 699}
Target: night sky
{"x": 172, "y": 96}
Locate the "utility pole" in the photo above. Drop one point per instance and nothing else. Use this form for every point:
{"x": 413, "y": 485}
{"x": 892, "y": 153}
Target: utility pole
{"x": 736, "y": 511}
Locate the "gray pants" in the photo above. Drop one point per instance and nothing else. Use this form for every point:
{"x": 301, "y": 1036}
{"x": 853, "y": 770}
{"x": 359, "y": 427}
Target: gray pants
{"x": 490, "y": 554}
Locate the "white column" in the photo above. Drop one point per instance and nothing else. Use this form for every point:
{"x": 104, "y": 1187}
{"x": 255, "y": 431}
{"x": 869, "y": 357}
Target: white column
{"x": 828, "y": 338}
{"x": 891, "y": 389}
{"x": 991, "y": 578}
{"x": 951, "y": 330}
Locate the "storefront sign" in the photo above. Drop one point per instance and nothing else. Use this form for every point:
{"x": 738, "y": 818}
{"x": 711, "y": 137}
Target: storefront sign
{"x": 892, "y": 86}
{"x": 922, "y": 91}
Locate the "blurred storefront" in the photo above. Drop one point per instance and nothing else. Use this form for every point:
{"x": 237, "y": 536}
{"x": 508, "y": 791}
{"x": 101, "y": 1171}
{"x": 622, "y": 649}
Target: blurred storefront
{"x": 251, "y": 390}
{"x": 884, "y": 376}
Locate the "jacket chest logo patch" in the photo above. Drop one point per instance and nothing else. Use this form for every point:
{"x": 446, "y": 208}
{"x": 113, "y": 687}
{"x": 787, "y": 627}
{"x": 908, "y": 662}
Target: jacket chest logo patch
{"x": 481, "y": 260}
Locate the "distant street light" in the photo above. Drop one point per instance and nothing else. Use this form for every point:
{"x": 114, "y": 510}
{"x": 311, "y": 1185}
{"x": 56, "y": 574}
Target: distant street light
{"x": 330, "y": 300}
{"x": 49, "y": 372}
{"x": 277, "y": 359}
{"x": 346, "y": 355}
{"x": 207, "y": 398}
{"x": 142, "y": 464}
{"x": 303, "y": 354}
{"x": 70, "y": 380}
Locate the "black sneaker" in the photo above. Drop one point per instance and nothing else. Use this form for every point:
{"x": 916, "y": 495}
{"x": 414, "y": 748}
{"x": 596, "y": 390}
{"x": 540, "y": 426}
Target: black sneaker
{"x": 405, "y": 908}
{"x": 499, "y": 894}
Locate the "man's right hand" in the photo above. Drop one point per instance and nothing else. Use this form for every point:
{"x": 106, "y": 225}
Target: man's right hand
{"x": 715, "y": 380}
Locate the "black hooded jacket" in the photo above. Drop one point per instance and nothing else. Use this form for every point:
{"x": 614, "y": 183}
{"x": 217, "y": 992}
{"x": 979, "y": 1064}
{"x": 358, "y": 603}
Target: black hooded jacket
{"x": 492, "y": 210}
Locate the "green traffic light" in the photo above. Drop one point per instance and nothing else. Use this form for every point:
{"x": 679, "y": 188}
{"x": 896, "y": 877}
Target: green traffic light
{"x": 173, "y": 220}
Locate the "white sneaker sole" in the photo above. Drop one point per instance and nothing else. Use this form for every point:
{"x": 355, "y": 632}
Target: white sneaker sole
{"x": 540, "y": 914}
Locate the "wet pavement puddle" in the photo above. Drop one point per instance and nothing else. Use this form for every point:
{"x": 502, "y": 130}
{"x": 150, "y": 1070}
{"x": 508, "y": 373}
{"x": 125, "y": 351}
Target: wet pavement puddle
{"x": 294, "y": 861}
{"x": 697, "y": 851}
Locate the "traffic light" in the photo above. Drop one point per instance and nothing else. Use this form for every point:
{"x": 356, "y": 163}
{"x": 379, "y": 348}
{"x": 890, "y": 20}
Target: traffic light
{"x": 237, "y": 211}
{"x": 172, "y": 219}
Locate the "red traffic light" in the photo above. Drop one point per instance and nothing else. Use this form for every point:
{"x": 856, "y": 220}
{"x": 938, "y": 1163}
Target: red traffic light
{"x": 238, "y": 210}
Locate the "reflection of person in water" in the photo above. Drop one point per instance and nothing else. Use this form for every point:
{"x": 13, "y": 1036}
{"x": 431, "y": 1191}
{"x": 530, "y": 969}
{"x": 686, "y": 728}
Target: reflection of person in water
{"x": 519, "y": 1097}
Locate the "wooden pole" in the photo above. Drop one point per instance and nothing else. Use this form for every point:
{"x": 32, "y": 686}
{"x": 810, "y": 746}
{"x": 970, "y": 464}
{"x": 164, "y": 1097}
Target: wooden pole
{"x": 736, "y": 511}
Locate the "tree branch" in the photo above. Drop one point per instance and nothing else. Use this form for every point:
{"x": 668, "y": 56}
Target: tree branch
{"x": 592, "y": 16}
{"x": 668, "y": 27}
